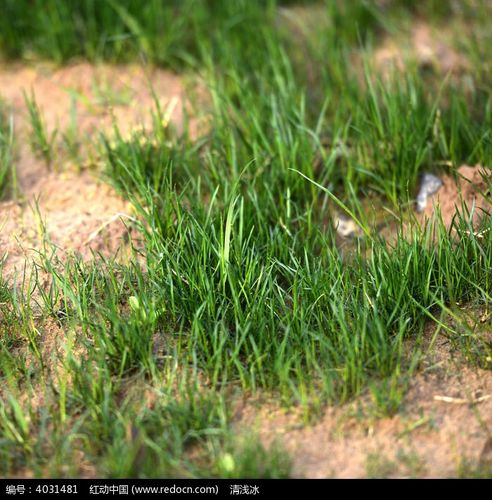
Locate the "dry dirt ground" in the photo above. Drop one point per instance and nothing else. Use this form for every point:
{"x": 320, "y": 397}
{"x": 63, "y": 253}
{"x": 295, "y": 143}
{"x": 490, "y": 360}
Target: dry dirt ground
{"x": 468, "y": 193}
{"x": 445, "y": 422}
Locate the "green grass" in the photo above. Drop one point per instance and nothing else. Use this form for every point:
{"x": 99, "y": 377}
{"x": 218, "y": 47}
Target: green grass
{"x": 162, "y": 31}
{"x": 171, "y": 32}
{"x": 42, "y": 142}
{"x": 240, "y": 287}
{"x": 8, "y": 177}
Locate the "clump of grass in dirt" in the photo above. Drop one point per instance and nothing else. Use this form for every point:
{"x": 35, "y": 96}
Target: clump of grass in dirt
{"x": 243, "y": 251}
{"x": 42, "y": 142}
{"x": 379, "y": 466}
{"x": 256, "y": 265}
{"x": 253, "y": 271}
{"x": 71, "y": 139}
{"x": 8, "y": 176}
{"x": 469, "y": 470}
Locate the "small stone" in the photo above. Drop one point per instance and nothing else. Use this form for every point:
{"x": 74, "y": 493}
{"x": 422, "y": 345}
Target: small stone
{"x": 346, "y": 227}
{"x": 430, "y": 184}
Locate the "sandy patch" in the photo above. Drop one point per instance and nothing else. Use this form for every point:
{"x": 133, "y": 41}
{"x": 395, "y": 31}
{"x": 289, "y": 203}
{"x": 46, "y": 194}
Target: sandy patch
{"x": 73, "y": 212}
{"x": 469, "y": 195}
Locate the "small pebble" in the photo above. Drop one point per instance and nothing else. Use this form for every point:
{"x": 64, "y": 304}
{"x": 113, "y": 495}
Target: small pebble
{"x": 429, "y": 185}
{"x": 346, "y": 227}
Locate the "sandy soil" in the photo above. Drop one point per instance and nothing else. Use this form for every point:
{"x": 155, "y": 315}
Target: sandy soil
{"x": 468, "y": 194}
{"x": 74, "y": 210}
